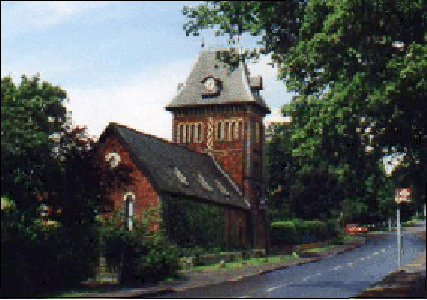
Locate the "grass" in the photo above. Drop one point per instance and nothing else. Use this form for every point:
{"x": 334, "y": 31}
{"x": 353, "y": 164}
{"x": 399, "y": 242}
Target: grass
{"x": 244, "y": 263}
{"x": 320, "y": 249}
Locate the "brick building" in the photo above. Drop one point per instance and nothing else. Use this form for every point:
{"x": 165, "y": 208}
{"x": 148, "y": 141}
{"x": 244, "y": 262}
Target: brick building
{"x": 215, "y": 161}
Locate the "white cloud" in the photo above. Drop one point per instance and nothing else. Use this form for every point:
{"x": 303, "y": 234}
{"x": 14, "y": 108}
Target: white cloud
{"x": 40, "y": 15}
{"x": 138, "y": 104}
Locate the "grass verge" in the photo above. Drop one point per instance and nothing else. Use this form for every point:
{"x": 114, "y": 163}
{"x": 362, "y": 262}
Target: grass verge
{"x": 241, "y": 263}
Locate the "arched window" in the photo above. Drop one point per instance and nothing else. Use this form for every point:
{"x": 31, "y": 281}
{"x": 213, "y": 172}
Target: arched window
{"x": 113, "y": 159}
{"x": 129, "y": 210}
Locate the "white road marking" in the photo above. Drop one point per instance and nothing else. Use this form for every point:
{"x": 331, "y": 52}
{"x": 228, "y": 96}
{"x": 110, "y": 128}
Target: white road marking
{"x": 350, "y": 264}
{"x": 368, "y": 257}
{"x": 244, "y": 297}
{"x": 272, "y": 289}
{"x": 362, "y": 258}
{"x": 376, "y": 253}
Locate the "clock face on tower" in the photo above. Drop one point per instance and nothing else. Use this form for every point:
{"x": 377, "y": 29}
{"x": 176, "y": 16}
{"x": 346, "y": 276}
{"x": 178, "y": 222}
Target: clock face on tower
{"x": 211, "y": 86}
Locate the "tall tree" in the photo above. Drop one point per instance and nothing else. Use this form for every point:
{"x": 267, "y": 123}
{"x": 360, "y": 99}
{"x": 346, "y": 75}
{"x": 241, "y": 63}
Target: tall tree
{"x": 359, "y": 70}
{"x": 46, "y": 164}
{"x": 31, "y": 114}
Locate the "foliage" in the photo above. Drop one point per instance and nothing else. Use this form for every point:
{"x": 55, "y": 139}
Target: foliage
{"x": 31, "y": 115}
{"x": 36, "y": 257}
{"x": 190, "y": 224}
{"x": 358, "y": 68}
{"x": 296, "y": 190}
{"x": 48, "y": 172}
{"x": 297, "y": 231}
{"x": 143, "y": 253}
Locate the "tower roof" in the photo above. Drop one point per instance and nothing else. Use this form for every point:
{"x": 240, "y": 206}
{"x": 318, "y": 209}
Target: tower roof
{"x": 233, "y": 86}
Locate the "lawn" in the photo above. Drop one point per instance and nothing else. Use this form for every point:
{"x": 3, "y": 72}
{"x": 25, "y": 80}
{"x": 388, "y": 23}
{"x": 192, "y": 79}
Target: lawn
{"x": 324, "y": 248}
{"x": 244, "y": 263}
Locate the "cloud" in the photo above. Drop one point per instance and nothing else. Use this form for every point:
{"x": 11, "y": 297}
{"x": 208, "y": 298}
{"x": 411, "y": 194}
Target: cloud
{"x": 40, "y": 15}
{"x": 138, "y": 104}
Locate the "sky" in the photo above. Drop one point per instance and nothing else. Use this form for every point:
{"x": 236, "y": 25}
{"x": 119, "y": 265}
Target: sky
{"x": 118, "y": 61}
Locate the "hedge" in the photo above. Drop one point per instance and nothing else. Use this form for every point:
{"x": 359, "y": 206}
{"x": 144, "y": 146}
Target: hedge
{"x": 298, "y": 231}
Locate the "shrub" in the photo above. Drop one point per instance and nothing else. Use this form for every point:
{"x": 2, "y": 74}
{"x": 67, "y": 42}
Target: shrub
{"x": 298, "y": 231}
{"x": 37, "y": 257}
{"x": 142, "y": 254}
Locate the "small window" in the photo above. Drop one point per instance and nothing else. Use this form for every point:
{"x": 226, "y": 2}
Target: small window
{"x": 129, "y": 210}
{"x": 219, "y": 130}
{"x": 188, "y": 133}
{"x": 113, "y": 159}
{"x": 233, "y": 131}
{"x": 181, "y": 176}
{"x": 204, "y": 184}
{"x": 180, "y": 133}
{"x": 193, "y": 133}
{"x": 227, "y": 131}
{"x": 200, "y": 133}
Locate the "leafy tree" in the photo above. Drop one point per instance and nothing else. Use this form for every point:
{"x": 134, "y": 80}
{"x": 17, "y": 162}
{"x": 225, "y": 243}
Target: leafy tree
{"x": 48, "y": 165}
{"x": 282, "y": 170}
{"x": 358, "y": 68}
{"x": 31, "y": 115}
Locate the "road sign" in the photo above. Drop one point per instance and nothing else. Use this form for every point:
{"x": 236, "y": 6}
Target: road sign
{"x": 403, "y": 196}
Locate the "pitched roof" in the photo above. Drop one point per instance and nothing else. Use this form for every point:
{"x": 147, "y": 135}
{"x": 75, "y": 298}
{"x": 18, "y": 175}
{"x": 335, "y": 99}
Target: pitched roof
{"x": 174, "y": 169}
{"x": 236, "y": 88}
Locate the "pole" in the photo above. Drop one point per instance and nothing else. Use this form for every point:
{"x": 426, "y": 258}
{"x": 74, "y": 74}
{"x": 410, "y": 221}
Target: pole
{"x": 389, "y": 223}
{"x": 398, "y": 236}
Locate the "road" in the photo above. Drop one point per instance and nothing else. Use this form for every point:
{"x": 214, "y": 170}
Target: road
{"x": 340, "y": 276}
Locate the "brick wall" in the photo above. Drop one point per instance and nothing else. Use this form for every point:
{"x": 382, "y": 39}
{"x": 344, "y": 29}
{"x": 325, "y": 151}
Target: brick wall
{"x": 145, "y": 194}
{"x": 242, "y": 158}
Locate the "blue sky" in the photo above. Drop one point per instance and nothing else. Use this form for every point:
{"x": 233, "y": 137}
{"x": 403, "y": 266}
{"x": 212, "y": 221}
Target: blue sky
{"x": 118, "y": 61}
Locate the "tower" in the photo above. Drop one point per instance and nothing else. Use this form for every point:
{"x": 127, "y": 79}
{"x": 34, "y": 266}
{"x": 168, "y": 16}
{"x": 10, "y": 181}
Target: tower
{"x": 220, "y": 112}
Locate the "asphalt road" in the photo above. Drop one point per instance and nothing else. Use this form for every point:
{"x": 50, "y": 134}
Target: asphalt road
{"x": 340, "y": 276}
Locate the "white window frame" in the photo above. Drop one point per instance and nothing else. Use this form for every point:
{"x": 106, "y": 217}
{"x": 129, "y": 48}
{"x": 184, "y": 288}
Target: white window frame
{"x": 113, "y": 159}
{"x": 129, "y": 209}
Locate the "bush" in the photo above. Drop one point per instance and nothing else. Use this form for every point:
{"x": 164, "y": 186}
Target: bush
{"x": 37, "y": 257}
{"x": 142, "y": 254}
{"x": 298, "y": 231}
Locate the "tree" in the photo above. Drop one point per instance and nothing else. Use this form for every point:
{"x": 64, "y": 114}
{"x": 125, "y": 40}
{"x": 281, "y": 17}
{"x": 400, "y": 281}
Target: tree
{"x": 282, "y": 170}
{"x": 358, "y": 68}
{"x": 46, "y": 164}
{"x": 31, "y": 115}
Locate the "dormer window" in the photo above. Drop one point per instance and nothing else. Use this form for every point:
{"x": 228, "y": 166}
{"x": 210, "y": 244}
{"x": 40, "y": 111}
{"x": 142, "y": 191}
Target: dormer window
{"x": 221, "y": 188}
{"x": 204, "y": 184}
{"x": 113, "y": 159}
{"x": 181, "y": 176}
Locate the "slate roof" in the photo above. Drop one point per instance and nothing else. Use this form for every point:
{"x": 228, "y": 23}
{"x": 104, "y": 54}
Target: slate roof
{"x": 235, "y": 88}
{"x": 159, "y": 160}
